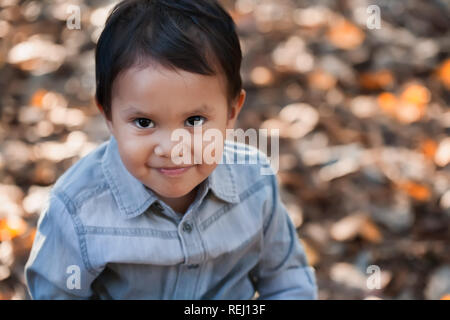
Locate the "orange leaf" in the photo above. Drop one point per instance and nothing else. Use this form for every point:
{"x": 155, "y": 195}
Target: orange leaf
{"x": 345, "y": 35}
{"x": 416, "y": 94}
{"x": 322, "y": 80}
{"x": 410, "y": 107}
{"x": 38, "y": 96}
{"x": 444, "y": 73}
{"x": 12, "y": 227}
{"x": 370, "y": 231}
{"x": 387, "y": 102}
{"x": 415, "y": 190}
{"x": 311, "y": 254}
{"x": 428, "y": 148}
{"x": 376, "y": 80}
{"x": 409, "y": 112}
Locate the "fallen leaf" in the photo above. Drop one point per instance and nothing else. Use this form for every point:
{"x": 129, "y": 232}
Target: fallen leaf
{"x": 12, "y": 227}
{"x": 261, "y": 76}
{"x": 311, "y": 254}
{"x": 38, "y": 97}
{"x": 443, "y": 73}
{"x": 345, "y": 35}
{"x": 376, "y": 80}
{"x": 415, "y": 190}
{"x": 416, "y": 94}
{"x": 442, "y": 156}
{"x": 322, "y": 80}
{"x": 387, "y": 102}
{"x": 353, "y": 225}
{"x": 429, "y": 148}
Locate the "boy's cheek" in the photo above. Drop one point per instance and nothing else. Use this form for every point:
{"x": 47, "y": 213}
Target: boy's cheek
{"x": 133, "y": 154}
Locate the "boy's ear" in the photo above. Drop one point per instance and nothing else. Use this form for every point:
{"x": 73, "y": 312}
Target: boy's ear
{"x": 102, "y": 111}
{"x": 99, "y": 106}
{"x": 236, "y": 109}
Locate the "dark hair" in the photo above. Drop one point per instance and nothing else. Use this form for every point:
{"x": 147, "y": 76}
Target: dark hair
{"x": 197, "y": 36}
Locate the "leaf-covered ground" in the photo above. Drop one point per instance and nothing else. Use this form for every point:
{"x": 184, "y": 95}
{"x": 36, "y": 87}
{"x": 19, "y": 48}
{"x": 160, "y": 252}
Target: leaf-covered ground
{"x": 363, "y": 115}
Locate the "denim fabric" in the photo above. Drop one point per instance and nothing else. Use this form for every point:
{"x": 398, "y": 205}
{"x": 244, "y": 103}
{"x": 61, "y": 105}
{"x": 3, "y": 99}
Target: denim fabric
{"x": 105, "y": 235}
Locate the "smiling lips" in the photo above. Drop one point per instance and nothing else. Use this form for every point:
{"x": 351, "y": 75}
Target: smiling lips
{"x": 174, "y": 171}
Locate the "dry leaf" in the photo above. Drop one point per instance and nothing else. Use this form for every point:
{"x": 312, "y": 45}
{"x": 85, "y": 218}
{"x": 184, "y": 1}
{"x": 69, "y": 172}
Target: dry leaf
{"x": 353, "y": 225}
{"x": 11, "y": 227}
{"x": 311, "y": 254}
{"x": 387, "y": 102}
{"x": 37, "y": 55}
{"x": 429, "y": 148}
{"x": 409, "y": 107}
{"x": 345, "y": 35}
{"x": 370, "y": 232}
{"x": 302, "y": 118}
{"x": 409, "y": 112}
{"x": 416, "y": 94}
{"x": 38, "y": 97}
{"x": 443, "y": 73}
{"x": 376, "y": 80}
{"x": 322, "y": 80}
{"x": 442, "y": 156}
{"x": 261, "y": 76}
{"x": 415, "y": 190}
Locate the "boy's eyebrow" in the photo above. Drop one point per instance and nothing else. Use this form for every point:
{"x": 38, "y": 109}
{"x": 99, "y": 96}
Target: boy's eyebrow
{"x": 204, "y": 108}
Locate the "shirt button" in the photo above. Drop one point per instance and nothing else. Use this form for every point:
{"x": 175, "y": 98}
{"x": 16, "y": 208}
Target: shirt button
{"x": 187, "y": 227}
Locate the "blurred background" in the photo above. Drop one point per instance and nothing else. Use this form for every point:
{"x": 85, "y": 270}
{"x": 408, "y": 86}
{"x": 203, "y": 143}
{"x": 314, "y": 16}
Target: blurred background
{"x": 362, "y": 106}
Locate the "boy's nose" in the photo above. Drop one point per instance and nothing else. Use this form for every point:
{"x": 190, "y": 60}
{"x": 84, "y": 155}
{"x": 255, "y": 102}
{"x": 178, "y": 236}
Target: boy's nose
{"x": 165, "y": 152}
{"x": 165, "y": 149}
{"x": 165, "y": 146}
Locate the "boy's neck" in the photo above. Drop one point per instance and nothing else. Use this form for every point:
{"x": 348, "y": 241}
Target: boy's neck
{"x": 180, "y": 205}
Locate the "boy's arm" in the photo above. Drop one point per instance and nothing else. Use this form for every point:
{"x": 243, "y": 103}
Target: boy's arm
{"x": 55, "y": 268}
{"x": 283, "y": 271}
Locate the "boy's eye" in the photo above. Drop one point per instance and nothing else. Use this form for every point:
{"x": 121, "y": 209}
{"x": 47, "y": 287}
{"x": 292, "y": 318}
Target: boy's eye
{"x": 196, "y": 121}
{"x": 142, "y": 123}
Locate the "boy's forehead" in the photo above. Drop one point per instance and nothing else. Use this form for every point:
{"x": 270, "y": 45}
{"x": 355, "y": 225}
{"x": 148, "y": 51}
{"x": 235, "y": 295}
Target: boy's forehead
{"x": 142, "y": 82}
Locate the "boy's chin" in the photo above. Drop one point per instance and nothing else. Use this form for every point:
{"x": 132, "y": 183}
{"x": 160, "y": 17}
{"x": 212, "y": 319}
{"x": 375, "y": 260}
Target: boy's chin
{"x": 173, "y": 193}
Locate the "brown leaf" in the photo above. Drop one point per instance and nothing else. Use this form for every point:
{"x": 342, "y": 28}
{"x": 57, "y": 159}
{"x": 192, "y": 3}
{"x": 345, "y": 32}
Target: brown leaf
{"x": 345, "y": 35}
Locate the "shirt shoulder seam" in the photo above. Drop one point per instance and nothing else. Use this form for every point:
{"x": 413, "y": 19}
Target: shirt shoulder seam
{"x": 79, "y": 229}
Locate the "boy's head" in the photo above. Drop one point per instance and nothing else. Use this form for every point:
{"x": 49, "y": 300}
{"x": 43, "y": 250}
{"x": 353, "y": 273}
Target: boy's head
{"x": 166, "y": 65}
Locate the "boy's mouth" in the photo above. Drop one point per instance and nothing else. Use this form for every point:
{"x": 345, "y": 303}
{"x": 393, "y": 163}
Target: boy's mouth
{"x": 174, "y": 171}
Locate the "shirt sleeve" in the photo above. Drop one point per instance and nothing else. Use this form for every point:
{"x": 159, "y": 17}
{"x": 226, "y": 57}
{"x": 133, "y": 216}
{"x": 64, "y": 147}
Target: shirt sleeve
{"x": 55, "y": 268}
{"x": 283, "y": 271}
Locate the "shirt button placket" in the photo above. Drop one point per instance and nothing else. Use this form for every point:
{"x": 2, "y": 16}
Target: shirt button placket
{"x": 187, "y": 227}
{"x": 189, "y": 276}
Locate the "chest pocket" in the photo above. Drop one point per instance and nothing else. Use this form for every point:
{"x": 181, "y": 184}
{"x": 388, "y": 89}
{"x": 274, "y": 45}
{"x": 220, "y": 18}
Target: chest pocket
{"x": 133, "y": 245}
{"x": 232, "y": 228}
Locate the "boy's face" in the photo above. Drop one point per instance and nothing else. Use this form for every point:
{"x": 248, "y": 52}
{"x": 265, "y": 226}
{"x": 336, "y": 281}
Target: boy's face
{"x": 147, "y": 105}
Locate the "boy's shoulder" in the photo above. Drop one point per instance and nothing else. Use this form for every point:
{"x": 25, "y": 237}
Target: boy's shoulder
{"x": 245, "y": 154}
{"x": 250, "y": 166}
{"x": 84, "y": 178}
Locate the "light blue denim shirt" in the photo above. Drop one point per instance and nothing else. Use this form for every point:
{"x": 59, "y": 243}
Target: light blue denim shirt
{"x": 105, "y": 235}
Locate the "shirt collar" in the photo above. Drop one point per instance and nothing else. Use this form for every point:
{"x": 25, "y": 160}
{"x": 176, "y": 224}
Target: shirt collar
{"x": 133, "y": 198}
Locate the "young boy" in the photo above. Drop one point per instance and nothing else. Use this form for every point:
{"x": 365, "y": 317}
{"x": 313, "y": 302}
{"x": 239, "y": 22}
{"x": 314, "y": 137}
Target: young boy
{"x": 129, "y": 222}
